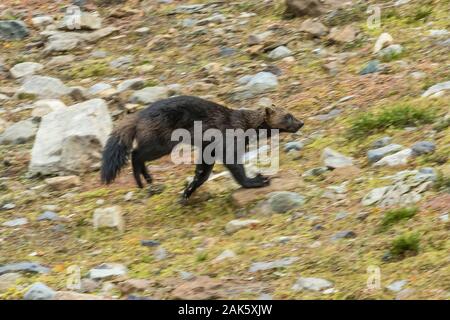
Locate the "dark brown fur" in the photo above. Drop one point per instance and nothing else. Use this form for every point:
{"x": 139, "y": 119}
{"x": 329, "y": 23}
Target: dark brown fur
{"x": 152, "y": 129}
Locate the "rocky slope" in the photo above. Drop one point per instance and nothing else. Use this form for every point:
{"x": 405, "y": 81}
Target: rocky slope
{"x": 362, "y": 190}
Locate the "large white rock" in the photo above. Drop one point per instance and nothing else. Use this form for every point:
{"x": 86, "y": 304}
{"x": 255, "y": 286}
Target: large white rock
{"x": 71, "y": 140}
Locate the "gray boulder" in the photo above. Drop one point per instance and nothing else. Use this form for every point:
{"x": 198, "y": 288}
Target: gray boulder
{"x": 280, "y": 53}
{"x": 39, "y": 291}
{"x": 437, "y": 89}
{"x": 256, "y": 84}
{"x": 25, "y": 69}
{"x": 44, "y": 87}
{"x": 284, "y": 201}
{"x": 149, "y": 95}
{"x": 333, "y": 159}
{"x": 20, "y": 132}
{"x": 13, "y": 30}
{"x": 423, "y": 147}
{"x": 376, "y": 154}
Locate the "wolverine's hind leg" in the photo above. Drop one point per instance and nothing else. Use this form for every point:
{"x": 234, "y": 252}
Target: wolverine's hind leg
{"x": 139, "y": 168}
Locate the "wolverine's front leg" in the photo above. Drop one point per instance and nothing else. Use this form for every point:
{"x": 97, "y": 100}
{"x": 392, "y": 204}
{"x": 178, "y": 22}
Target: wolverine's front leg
{"x": 202, "y": 173}
{"x": 238, "y": 172}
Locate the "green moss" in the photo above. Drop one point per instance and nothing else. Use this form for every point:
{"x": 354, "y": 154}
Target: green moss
{"x": 90, "y": 70}
{"x": 26, "y": 96}
{"x": 396, "y": 116}
{"x": 442, "y": 183}
{"x": 405, "y": 244}
{"x": 391, "y": 217}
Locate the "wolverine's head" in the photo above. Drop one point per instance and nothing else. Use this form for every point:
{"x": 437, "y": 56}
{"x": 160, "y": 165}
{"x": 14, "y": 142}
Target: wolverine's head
{"x": 278, "y": 118}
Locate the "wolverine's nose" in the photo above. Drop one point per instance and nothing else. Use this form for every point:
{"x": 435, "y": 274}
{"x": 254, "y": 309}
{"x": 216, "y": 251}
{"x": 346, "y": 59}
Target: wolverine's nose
{"x": 300, "y": 124}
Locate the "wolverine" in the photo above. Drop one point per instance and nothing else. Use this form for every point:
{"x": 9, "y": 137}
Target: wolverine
{"x": 147, "y": 136}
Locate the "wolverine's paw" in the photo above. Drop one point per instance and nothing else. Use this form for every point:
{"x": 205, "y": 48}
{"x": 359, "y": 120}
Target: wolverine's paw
{"x": 183, "y": 200}
{"x": 261, "y": 181}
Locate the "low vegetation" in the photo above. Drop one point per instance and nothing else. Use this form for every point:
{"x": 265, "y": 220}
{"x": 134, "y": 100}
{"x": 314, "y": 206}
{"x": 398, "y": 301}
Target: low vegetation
{"x": 397, "y": 116}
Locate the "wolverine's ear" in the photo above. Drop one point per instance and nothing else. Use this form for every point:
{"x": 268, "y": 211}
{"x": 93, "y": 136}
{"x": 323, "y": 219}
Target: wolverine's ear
{"x": 270, "y": 110}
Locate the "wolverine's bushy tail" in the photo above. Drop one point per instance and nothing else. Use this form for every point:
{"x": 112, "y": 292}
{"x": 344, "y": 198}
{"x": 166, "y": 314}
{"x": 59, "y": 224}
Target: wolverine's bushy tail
{"x": 117, "y": 149}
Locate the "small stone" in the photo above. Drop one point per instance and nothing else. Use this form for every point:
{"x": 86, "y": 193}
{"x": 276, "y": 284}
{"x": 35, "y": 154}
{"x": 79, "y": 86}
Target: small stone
{"x": 160, "y": 254}
{"x": 44, "y": 87}
{"x": 280, "y": 53}
{"x": 436, "y": 89}
{"x": 263, "y": 266}
{"x": 376, "y": 154}
{"x": 284, "y": 201}
{"x": 344, "y": 35}
{"x": 133, "y": 84}
{"x": 315, "y": 172}
{"x": 423, "y": 147}
{"x": 444, "y": 217}
{"x": 293, "y": 145}
{"x": 8, "y": 280}
{"x": 23, "y": 267}
{"x": 39, "y": 291}
{"x": 15, "y": 222}
{"x": 347, "y": 234}
{"x": 98, "y": 88}
{"x": 225, "y": 255}
{"x": 25, "y": 69}
{"x": 48, "y": 215}
{"x": 341, "y": 215}
{"x": 418, "y": 75}
{"x": 121, "y": 62}
{"x": 143, "y": 30}
{"x": 63, "y": 183}
{"x": 391, "y": 51}
{"x": 397, "y": 286}
{"x": 265, "y": 102}
{"x": 133, "y": 285}
{"x": 187, "y": 276}
{"x": 382, "y": 142}
{"x": 383, "y": 40}
{"x": 45, "y": 106}
{"x": 20, "y": 132}
{"x": 333, "y": 159}
{"x": 406, "y": 294}
{"x": 396, "y": 159}
{"x": 149, "y": 95}
{"x": 314, "y": 28}
{"x": 311, "y": 284}
{"x": 8, "y": 206}
{"x": 84, "y": 20}
{"x": 150, "y": 243}
{"x": 374, "y": 196}
{"x": 41, "y": 21}
{"x": 371, "y": 67}
{"x": 107, "y": 270}
{"x": 110, "y": 217}
{"x": 13, "y": 30}
{"x": 235, "y": 225}
{"x": 128, "y": 196}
